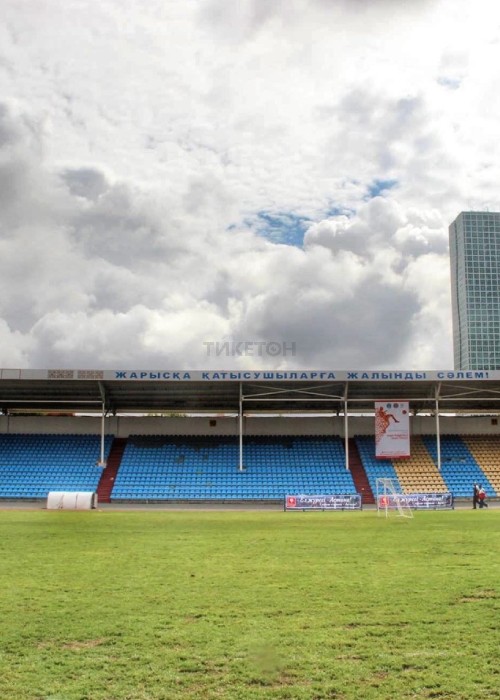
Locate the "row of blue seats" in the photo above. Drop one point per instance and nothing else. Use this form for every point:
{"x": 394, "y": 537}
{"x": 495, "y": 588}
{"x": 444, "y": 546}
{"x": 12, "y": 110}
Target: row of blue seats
{"x": 38, "y": 492}
{"x": 271, "y": 471}
{"x": 324, "y": 487}
{"x": 248, "y": 475}
{"x": 259, "y": 494}
{"x": 232, "y": 470}
{"x": 31, "y": 465}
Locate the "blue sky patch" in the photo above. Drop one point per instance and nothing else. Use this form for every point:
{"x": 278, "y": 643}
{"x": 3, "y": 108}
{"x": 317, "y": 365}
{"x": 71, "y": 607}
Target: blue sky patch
{"x": 335, "y": 210}
{"x": 378, "y": 187}
{"x": 280, "y": 227}
{"x": 287, "y": 228}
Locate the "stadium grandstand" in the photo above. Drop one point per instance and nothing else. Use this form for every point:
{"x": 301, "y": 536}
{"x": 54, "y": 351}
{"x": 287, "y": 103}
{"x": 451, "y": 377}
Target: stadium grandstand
{"x": 240, "y": 436}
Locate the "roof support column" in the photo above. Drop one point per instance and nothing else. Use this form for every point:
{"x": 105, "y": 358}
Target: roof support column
{"x": 240, "y": 430}
{"x": 102, "y": 391}
{"x": 438, "y": 436}
{"x": 102, "y": 461}
{"x": 346, "y": 426}
{"x": 346, "y": 436}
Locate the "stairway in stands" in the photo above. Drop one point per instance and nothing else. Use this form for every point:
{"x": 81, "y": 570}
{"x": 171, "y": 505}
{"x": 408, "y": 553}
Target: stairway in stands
{"x": 358, "y": 474}
{"x": 107, "y": 480}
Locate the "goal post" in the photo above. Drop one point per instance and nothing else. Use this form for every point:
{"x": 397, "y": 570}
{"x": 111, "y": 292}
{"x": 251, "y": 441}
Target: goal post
{"x": 390, "y": 500}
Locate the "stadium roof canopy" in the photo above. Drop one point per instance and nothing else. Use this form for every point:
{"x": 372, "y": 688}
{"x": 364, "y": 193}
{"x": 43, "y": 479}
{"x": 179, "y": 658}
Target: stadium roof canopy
{"x": 137, "y": 391}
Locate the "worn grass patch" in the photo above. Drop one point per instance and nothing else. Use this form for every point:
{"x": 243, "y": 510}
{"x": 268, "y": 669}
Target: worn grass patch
{"x": 166, "y": 605}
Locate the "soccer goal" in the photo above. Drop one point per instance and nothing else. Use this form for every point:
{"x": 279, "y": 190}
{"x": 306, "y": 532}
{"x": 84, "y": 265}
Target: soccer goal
{"x": 390, "y": 501}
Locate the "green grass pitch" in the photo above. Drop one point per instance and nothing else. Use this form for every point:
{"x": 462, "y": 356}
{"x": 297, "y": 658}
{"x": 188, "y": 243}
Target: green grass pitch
{"x": 109, "y": 605}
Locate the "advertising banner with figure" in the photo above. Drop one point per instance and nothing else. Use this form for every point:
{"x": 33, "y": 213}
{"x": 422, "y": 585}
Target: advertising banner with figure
{"x": 323, "y": 502}
{"x": 417, "y": 501}
{"x": 392, "y": 429}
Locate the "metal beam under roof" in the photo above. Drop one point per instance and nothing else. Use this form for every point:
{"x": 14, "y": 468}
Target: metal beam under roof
{"x": 125, "y": 392}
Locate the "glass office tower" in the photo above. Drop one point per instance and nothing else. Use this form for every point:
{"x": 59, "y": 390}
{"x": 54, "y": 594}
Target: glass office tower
{"x": 475, "y": 289}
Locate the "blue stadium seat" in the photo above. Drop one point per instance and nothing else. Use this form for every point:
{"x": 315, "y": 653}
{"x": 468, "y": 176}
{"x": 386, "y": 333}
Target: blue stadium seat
{"x": 207, "y": 467}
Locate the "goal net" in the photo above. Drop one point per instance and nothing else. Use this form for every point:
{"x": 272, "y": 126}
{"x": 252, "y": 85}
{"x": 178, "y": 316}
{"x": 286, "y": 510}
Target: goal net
{"x": 390, "y": 500}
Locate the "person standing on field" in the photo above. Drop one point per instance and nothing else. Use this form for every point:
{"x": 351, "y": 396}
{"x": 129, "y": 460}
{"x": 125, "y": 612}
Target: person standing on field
{"x": 482, "y": 498}
{"x": 475, "y": 496}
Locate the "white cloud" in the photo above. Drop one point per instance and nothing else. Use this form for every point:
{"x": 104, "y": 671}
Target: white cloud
{"x": 143, "y": 144}
{"x": 15, "y": 347}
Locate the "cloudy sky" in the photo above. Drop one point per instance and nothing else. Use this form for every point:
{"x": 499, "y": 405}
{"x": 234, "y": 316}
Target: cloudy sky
{"x": 180, "y": 174}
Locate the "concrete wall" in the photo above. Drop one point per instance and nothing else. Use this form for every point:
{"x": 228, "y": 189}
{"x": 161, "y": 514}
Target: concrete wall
{"x": 123, "y": 426}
